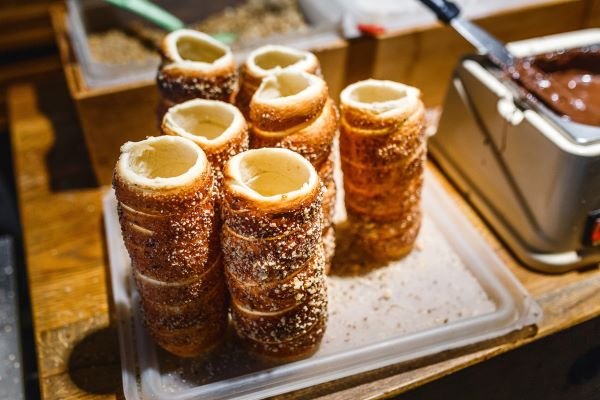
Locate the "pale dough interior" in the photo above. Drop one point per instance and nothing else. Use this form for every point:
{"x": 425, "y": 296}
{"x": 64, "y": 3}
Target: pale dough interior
{"x": 163, "y": 161}
{"x": 205, "y": 121}
{"x": 378, "y": 96}
{"x": 277, "y": 58}
{"x": 272, "y": 174}
{"x": 284, "y": 84}
{"x": 195, "y": 49}
{"x": 210, "y": 123}
{"x": 377, "y": 93}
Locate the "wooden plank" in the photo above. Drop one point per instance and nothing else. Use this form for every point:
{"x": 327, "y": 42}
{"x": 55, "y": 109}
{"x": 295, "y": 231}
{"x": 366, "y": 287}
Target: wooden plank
{"x": 18, "y": 13}
{"x": 24, "y": 26}
{"x": 28, "y": 69}
{"x": 64, "y": 245}
{"x": 33, "y": 37}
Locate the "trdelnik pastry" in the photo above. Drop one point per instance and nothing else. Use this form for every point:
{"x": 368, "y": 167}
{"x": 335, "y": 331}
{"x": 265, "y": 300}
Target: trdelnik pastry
{"x": 273, "y": 254}
{"x": 268, "y": 59}
{"x": 383, "y": 151}
{"x": 292, "y": 109}
{"x": 219, "y": 129}
{"x": 194, "y": 65}
{"x": 165, "y": 203}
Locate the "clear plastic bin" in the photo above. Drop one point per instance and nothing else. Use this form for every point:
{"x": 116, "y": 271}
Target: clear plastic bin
{"x": 451, "y": 291}
{"x": 95, "y": 16}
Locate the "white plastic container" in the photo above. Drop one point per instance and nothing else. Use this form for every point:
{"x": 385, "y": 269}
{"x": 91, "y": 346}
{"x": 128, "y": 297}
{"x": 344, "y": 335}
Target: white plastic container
{"x": 452, "y": 291}
{"x": 89, "y": 16}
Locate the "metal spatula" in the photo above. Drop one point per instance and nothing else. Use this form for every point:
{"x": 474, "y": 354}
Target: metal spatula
{"x": 449, "y": 13}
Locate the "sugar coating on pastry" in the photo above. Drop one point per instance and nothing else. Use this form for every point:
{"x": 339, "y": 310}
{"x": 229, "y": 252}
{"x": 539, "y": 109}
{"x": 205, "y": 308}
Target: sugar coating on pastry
{"x": 276, "y": 281}
{"x": 267, "y": 59}
{"x": 382, "y": 151}
{"x": 196, "y": 50}
{"x": 379, "y": 96}
{"x": 210, "y": 123}
{"x": 161, "y": 162}
{"x": 271, "y": 175}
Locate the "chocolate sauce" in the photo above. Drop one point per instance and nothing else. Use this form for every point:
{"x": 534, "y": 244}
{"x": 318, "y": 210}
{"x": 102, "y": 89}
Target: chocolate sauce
{"x": 567, "y": 81}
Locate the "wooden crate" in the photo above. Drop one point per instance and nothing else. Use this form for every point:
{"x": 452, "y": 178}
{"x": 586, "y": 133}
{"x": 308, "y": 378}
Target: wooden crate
{"x": 111, "y": 116}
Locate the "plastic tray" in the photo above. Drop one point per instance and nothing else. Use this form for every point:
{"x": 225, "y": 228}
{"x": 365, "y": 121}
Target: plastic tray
{"x": 89, "y": 16}
{"x": 452, "y": 291}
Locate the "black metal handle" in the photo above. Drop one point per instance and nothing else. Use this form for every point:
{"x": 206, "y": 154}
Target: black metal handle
{"x": 446, "y": 11}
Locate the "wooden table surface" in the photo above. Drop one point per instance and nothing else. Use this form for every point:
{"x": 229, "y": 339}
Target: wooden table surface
{"x": 66, "y": 258}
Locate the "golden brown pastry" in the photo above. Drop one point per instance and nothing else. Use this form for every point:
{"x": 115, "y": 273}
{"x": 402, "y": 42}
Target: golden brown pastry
{"x": 383, "y": 151}
{"x": 165, "y": 203}
{"x": 273, "y": 254}
{"x": 292, "y": 109}
{"x": 268, "y": 59}
{"x": 194, "y": 65}
{"x": 219, "y": 128}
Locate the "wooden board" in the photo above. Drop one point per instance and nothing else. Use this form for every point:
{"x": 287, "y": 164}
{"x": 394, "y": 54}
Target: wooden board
{"x": 67, "y": 266}
{"x": 24, "y": 26}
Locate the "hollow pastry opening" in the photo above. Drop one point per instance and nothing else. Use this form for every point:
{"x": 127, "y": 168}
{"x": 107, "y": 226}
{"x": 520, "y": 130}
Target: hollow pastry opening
{"x": 283, "y": 84}
{"x": 194, "y": 46}
{"x": 272, "y": 174}
{"x": 199, "y": 121}
{"x": 205, "y": 121}
{"x": 375, "y": 93}
{"x": 161, "y": 161}
{"x": 278, "y": 57}
{"x": 378, "y": 95}
{"x": 193, "y": 49}
{"x": 270, "y": 58}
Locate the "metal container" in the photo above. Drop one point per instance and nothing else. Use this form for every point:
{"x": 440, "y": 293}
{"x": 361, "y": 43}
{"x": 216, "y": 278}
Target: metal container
{"x": 533, "y": 176}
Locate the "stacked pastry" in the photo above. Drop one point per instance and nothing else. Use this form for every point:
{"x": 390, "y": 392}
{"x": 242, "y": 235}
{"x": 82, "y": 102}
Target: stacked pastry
{"x": 273, "y": 255}
{"x": 163, "y": 187}
{"x": 218, "y": 128}
{"x": 292, "y": 109}
{"x": 266, "y": 60}
{"x": 383, "y": 151}
{"x": 194, "y": 65}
